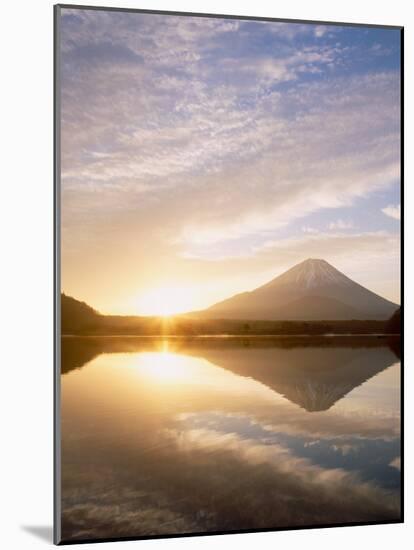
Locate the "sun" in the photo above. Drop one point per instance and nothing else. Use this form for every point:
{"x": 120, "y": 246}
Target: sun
{"x": 166, "y": 301}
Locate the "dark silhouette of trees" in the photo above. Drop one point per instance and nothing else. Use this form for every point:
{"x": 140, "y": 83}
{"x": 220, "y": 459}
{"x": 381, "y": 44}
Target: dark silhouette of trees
{"x": 80, "y": 319}
{"x": 76, "y": 316}
{"x": 393, "y": 325}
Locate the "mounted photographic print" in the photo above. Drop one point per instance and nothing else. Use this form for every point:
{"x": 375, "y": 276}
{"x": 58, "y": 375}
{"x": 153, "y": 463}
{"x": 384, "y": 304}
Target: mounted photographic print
{"x": 228, "y": 274}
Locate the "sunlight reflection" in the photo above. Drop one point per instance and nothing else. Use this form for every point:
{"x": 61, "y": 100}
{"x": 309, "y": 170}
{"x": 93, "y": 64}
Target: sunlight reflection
{"x": 165, "y": 367}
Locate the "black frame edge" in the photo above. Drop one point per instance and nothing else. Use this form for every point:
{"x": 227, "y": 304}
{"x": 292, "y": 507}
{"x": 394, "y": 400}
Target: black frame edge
{"x": 227, "y": 16}
{"x": 402, "y": 264}
{"x": 56, "y": 281}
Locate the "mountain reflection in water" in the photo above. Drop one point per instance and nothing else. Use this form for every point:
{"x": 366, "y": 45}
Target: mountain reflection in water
{"x": 219, "y": 434}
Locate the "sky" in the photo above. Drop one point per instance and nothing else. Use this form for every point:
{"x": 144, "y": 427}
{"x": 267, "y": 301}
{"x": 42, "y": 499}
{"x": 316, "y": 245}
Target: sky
{"x": 202, "y": 157}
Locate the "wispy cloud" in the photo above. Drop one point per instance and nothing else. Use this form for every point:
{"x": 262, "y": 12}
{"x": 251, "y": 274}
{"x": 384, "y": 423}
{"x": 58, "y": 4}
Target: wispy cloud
{"x": 211, "y": 136}
{"x": 341, "y": 224}
{"x": 308, "y": 229}
{"x": 393, "y": 211}
{"x": 396, "y": 463}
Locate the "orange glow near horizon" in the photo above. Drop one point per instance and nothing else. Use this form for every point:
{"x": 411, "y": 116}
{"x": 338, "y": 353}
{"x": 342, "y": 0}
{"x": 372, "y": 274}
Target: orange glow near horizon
{"x": 166, "y": 301}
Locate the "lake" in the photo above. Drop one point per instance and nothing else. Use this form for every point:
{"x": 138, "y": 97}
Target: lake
{"x": 190, "y": 435}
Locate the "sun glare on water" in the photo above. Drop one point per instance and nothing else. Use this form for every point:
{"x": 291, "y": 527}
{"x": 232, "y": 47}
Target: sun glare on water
{"x": 167, "y": 368}
{"x": 166, "y": 301}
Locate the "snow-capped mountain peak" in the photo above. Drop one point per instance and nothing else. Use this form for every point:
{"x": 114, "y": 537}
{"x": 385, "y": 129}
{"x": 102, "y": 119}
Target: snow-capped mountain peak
{"x": 313, "y": 273}
{"x": 310, "y": 290}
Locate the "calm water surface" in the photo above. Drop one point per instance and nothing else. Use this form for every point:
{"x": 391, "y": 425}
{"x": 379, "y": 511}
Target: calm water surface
{"x": 193, "y": 435}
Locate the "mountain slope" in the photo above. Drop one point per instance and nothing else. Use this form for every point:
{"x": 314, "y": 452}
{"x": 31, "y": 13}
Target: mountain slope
{"x": 311, "y": 290}
{"x": 314, "y": 378}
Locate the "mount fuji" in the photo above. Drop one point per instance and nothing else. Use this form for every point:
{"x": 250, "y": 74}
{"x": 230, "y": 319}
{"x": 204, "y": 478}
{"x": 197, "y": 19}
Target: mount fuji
{"x": 312, "y": 290}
